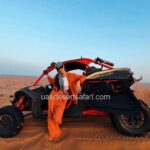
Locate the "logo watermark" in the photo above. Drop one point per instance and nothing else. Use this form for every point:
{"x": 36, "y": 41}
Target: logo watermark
{"x": 80, "y": 97}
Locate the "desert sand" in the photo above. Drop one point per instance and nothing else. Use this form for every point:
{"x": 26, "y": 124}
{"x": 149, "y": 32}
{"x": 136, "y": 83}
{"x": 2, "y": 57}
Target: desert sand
{"x": 77, "y": 133}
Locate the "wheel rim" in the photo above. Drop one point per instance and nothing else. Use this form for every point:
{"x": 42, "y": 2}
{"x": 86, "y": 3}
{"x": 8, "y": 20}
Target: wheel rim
{"x": 6, "y": 122}
{"x": 132, "y": 122}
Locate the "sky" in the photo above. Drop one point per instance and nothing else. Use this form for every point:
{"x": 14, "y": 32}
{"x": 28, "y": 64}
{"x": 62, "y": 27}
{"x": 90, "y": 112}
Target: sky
{"x": 33, "y": 33}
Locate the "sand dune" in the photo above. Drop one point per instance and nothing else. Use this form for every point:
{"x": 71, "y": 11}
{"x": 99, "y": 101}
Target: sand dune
{"x": 77, "y": 133}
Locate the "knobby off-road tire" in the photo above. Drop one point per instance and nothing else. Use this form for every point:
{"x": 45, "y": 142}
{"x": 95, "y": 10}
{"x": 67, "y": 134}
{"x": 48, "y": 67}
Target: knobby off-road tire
{"x": 131, "y": 125}
{"x": 11, "y": 121}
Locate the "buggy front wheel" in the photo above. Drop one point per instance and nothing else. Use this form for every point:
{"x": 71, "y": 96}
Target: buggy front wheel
{"x": 11, "y": 121}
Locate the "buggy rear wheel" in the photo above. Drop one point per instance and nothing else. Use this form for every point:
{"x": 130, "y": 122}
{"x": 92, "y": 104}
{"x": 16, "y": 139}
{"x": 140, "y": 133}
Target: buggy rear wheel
{"x": 11, "y": 121}
{"x": 132, "y": 125}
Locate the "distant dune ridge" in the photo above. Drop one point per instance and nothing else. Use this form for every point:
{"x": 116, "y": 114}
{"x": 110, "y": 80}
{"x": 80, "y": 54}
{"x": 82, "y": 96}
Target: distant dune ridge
{"x": 77, "y": 133}
{"x": 142, "y": 91}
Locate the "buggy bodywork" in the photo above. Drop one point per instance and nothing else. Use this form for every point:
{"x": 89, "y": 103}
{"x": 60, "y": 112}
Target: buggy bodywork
{"x": 103, "y": 81}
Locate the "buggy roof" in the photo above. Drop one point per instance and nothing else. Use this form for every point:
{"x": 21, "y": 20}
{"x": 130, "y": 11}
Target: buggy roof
{"x": 81, "y": 63}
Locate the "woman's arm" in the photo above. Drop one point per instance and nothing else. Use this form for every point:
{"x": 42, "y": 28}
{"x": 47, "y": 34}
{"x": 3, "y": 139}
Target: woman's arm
{"x": 80, "y": 78}
{"x": 51, "y": 80}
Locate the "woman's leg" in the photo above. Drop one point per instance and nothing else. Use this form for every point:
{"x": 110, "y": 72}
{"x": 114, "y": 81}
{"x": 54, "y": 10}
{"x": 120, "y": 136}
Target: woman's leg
{"x": 59, "y": 111}
{"x": 52, "y": 126}
{"x": 56, "y": 107}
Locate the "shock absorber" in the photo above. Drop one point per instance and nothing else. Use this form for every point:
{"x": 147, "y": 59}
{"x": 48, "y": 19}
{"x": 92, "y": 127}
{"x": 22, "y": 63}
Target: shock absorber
{"x": 19, "y": 103}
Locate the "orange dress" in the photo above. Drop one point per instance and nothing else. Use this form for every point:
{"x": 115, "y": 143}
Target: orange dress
{"x": 58, "y": 101}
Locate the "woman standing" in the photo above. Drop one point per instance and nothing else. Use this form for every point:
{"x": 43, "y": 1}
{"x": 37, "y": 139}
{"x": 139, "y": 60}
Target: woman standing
{"x": 64, "y": 84}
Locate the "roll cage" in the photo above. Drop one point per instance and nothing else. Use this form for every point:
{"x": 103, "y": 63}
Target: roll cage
{"x": 82, "y": 64}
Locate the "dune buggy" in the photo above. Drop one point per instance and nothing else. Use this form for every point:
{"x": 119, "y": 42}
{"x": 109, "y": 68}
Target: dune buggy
{"x": 129, "y": 115}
